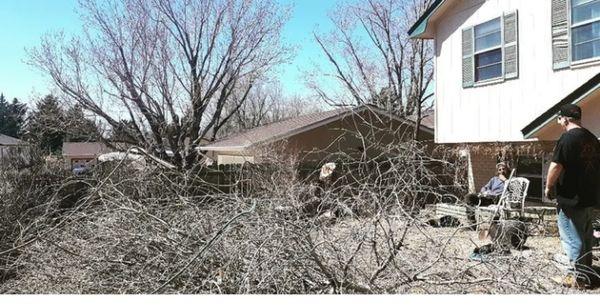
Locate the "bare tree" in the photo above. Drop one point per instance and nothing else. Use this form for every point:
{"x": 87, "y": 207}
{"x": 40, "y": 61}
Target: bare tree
{"x": 293, "y": 107}
{"x": 372, "y": 58}
{"x": 266, "y": 104}
{"x": 167, "y": 67}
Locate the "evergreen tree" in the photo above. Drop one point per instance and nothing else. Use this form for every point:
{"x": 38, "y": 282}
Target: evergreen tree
{"x": 3, "y": 113}
{"x": 120, "y": 132}
{"x": 46, "y": 126}
{"x": 79, "y": 128}
{"x": 12, "y": 117}
{"x": 17, "y": 118}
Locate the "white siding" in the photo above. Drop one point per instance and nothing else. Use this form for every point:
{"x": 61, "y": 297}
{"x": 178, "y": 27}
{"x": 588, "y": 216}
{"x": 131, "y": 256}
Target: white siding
{"x": 499, "y": 111}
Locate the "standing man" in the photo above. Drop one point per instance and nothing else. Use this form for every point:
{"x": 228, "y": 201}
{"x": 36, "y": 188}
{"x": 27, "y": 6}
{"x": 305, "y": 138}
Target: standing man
{"x": 573, "y": 179}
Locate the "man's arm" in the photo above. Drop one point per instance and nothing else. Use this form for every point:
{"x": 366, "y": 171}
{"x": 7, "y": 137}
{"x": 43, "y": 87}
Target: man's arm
{"x": 498, "y": 187}
{"x": 554, "y": 172}
{"x": 487, "y": 186}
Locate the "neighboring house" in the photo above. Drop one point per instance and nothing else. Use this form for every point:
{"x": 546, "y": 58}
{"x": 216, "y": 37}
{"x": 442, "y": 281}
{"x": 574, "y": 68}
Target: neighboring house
{"x": 502, "y": 70}
{"x": 10, "y": 146}
{"x": 82, "y": 154}
{"x": 317, "y": 135}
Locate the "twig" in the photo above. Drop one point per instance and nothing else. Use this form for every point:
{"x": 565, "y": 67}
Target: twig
{"x": 217, "y": 235}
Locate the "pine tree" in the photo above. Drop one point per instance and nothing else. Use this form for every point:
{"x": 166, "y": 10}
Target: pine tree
{"x": 12, "y": 117}
{"x": 120, "y": 134}
{"x": 46, "y": 126}
{"x": 3, "y": 113}
{"x": 79, "y": 128}
{"x": 17, "y": 118}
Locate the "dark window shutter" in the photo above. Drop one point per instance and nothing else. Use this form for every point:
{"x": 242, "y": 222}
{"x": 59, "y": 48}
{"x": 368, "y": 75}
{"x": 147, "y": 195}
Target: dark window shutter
{"x": 468, "y": 74}
{"x": 560, "y": 34}
{"x": 511, "y": 49}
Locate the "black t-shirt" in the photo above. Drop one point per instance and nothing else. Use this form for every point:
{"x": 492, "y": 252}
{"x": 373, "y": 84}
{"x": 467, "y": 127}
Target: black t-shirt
{"x": 578, "y": 151}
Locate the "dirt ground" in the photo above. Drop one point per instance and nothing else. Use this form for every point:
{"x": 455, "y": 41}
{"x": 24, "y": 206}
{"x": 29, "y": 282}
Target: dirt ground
{"x": 529, "y": 270}
{"x": 84, "y": 258}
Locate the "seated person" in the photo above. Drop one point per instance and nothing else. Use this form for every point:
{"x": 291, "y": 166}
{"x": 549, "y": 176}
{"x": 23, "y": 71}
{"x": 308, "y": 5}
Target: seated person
{"x": 491, "y": 192}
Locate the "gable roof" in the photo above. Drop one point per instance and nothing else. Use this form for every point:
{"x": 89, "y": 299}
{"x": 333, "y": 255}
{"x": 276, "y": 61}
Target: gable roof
{"x": 6, "y": 140}
{"x": 427, "y": 119}
{"x": 292, "y": 126}
{"x": 91, "y": 149}
{"x": 575, "y": 97}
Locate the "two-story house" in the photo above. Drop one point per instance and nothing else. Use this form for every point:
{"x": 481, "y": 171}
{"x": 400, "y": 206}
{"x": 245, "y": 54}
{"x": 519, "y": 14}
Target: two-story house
{"x": 503, "y": 68}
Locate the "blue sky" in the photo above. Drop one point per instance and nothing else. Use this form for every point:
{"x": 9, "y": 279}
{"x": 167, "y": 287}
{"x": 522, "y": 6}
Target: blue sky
{"x": 23, "y": 22}
{"x": 307, "y": 16}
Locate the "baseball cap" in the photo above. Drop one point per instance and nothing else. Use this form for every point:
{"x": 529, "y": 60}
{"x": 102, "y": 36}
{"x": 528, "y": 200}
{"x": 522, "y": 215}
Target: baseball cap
{"x": 505, "y": 164}
{"x": 571, "y": 111}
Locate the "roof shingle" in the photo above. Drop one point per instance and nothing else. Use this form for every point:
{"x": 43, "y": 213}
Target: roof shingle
{"x": 91, "y": 149}
{"x": 10, "y": 141}
{"x": 273, "y": 130}
{"x": 289, "y": 126}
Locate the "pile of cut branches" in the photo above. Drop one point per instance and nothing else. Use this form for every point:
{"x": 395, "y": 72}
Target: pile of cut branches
{"x": 118, "y": 230}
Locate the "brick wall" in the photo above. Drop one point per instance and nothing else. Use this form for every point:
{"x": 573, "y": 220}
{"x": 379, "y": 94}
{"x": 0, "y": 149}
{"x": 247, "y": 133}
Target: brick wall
{"x": 483, "y": 167}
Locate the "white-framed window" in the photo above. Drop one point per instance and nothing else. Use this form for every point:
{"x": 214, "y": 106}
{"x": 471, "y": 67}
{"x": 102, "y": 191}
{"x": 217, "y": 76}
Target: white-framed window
{"x": 585, "y": 30}
{"x": 488, "y": 50}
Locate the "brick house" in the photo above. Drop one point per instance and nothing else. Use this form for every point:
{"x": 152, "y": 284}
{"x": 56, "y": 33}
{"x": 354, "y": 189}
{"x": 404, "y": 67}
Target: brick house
{"x": 316, "y": 135}
{"x": 82, "y": 154}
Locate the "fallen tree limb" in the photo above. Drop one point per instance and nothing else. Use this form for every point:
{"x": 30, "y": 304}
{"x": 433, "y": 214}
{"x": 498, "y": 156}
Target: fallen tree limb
{"x": 216, "y": 237}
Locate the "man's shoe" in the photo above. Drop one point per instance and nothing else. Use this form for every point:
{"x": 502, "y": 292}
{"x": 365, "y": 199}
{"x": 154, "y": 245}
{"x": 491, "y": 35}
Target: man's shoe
{"x": 572, "y": 281}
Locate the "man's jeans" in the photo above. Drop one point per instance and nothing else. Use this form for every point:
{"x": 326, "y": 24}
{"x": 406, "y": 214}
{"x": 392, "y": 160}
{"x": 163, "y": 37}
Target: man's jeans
{"x": 576, "y": 236}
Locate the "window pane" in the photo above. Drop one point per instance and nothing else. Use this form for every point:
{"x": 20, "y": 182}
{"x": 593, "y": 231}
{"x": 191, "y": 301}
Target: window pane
{"x": 487, "y": 28}
{"x": 489, "y": 72}
{"x": 583, "y": 11}
{"x": 488, "y": 65}
{"x": 580, "y": 2}
{"x": 588, "y": 50}
{"x": 586, "y": 33}
{"x": 488, "y": 58}
{"x": 586, "y": 41}
{"x": 487, "y": 35}
{"x": 534, "y": 193}
{"x": 527, "y": 165}
{"x": 486, "y": 42}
